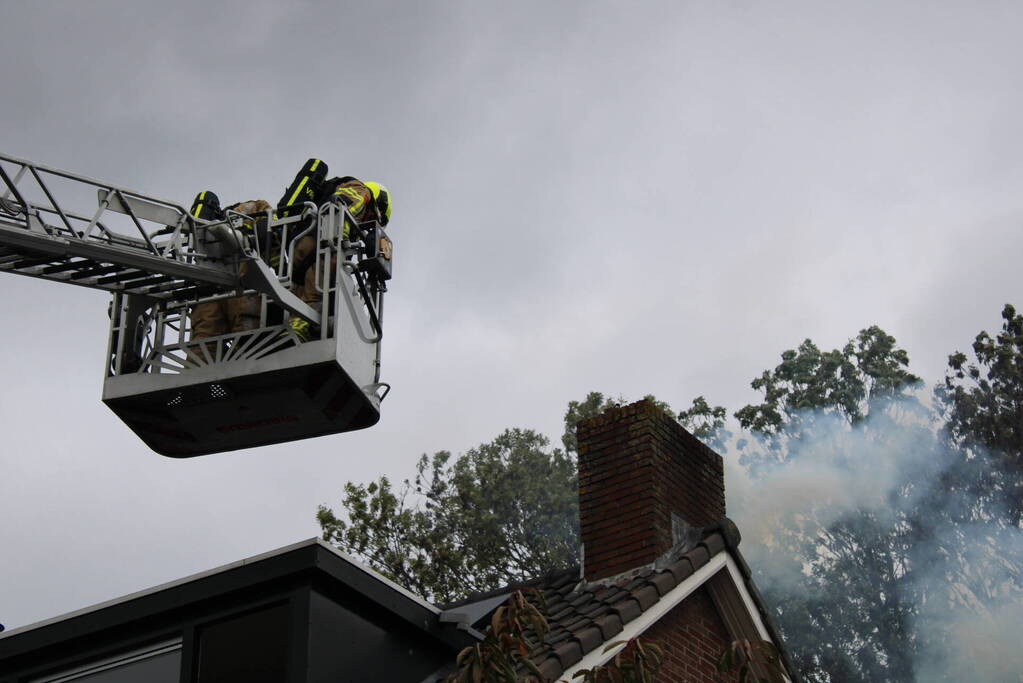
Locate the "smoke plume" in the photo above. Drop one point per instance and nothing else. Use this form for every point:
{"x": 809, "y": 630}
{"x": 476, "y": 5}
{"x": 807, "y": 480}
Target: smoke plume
{"x": 961, "y": 569}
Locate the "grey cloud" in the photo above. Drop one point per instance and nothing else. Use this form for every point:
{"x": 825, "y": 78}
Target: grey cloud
{"x": 587, "y": 196}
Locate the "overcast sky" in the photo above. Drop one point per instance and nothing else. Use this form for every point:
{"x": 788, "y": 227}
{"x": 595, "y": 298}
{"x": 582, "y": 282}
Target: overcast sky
{"x": 626, "y": 197}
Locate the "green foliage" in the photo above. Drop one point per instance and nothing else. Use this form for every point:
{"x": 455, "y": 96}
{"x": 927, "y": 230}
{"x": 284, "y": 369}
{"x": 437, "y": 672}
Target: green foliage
{"x": 594, "y": 404}
{"x": 519, "y": 626}
{"x": 861, "y": 610}
{"x": 637, "y": 662}
{"x": 983, "y": 408}
{"x": 806, "y": 378}
{"x": 809, "y": 383}
{"x": 516, "y": 627}
{"x": 853, "y": 595}
{"x": 853, "y": 615}
{"x": 842, "y": 380}
{"x": 753, "y": 661}
{"x": 505, "y": 510}
{"x": 706, "y": 422}
{"x": 405, "y": 542}
{"x": 502, "y": 512}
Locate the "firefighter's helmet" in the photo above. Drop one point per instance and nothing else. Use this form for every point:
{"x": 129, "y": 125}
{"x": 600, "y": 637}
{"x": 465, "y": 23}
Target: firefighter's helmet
{"x": 382, "y": 199}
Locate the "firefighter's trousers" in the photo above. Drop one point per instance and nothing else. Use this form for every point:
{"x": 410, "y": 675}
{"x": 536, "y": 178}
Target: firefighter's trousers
{"x": 236, "y": 314}
{"x": 307, "y": 289}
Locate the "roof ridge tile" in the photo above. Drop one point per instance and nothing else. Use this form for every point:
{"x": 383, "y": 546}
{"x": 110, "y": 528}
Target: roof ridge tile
{"x": 628, "y": 609}
{"x": 714, "y": 543}
{"x": 590, "y": 638}
{"x": 682, "y": 569}
{"x": 646, "y": 596}
{"x": 663, "y": 581}
{"x": 610, "y": 625}
{"x": 569, "y": 652}
{"x": 698, "y": 556}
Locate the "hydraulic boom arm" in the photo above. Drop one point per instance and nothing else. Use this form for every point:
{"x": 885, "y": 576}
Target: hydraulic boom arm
{"x": 129, "y": 244}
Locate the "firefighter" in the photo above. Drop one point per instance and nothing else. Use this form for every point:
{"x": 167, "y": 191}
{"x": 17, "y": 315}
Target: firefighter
{"x": 365, "y": 201}
{"x": 237, "y": 313}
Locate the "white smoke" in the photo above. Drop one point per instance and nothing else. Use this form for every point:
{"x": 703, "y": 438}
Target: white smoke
{"x": 890, "y": 463}
{"x": 983, "y": 645}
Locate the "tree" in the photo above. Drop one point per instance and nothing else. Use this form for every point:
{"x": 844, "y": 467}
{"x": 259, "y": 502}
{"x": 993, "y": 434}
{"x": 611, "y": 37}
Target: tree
{"x": 594, "y": 404}
{"x": 515, "y": 628}
{"x": 706, "y": 423}
{"x": 870, "y": 370}
{"x": 852, "y": 567}
{"x": 855, "y": 608}
{"x": 501, "y": 513}
{"x": 753, "y": 661}
{"x": 880, "y": 578}
{"x": 982, "y": 403}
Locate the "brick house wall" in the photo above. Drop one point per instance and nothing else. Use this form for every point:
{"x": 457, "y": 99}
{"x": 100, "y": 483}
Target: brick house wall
{"x": 693, "y": 637}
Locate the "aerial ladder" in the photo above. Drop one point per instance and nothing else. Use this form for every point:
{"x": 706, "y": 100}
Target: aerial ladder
{"x": 185, "y": 396}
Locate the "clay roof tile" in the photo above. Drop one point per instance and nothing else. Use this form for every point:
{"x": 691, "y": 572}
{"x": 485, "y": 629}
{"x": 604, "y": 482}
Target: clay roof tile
{"x": 628, "y": 610}
{"x": 569, "y": 653}
{"x": 663, "y": 582}
{"x": 646, "y": 596}
{"x": 590, "y": 638}
{"x": 698, "y": 556}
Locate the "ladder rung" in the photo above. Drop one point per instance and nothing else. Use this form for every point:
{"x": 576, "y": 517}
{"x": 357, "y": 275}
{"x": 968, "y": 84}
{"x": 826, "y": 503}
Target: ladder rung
{"x": 131, "y": 274}
{"x": 162, "y": 290}
{"x": 42, "y": 239}
{"x": 196, "y": 292}
{"x": 95, "y": 272}
{"x": 147, "y": 282}
{"x": 33, "y": 262}
{"x": 66, "y": 266}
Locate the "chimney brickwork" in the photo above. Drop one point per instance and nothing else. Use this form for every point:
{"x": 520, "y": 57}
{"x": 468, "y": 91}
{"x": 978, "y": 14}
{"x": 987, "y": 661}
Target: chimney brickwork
{"x": 638, "y": 466}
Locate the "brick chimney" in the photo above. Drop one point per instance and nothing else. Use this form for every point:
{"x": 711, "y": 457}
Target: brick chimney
{"x": 642, "y": 476}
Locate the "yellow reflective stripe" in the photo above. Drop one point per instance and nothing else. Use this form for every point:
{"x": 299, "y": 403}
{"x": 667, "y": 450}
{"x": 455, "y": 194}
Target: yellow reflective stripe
{"x": 297, "y": 190}
{"x": 358, "y": 201}
{"x": 198, "y": 207}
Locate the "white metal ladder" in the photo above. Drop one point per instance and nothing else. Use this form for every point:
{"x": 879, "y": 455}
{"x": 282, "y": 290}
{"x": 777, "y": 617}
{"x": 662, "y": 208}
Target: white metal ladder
{"x": 130, "y": 244}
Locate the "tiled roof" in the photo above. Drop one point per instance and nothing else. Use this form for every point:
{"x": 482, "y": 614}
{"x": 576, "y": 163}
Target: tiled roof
{"x": 584, "y": 616}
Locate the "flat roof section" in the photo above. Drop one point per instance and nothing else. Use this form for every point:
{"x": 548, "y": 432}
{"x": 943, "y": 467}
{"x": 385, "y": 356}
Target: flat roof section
{"x": 311, "y": 559}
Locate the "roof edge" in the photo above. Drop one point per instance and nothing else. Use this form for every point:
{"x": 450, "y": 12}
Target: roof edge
{"x": 721, "y": 562}
{"x": 418, "y": 599}
{"x": 145, "y": 592}
{"x": 310, "y": 555}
